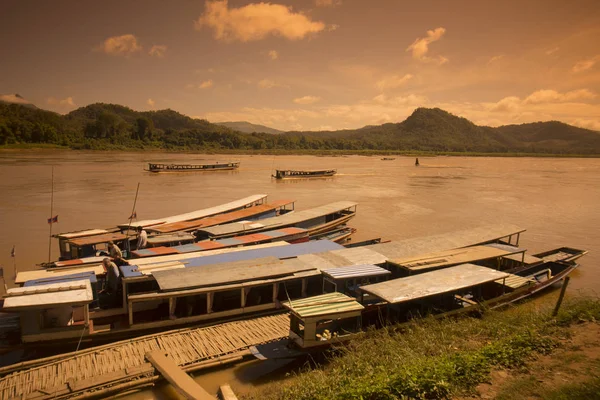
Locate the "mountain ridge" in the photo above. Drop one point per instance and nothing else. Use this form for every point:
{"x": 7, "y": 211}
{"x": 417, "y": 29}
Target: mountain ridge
{"x": 101, "y": 125}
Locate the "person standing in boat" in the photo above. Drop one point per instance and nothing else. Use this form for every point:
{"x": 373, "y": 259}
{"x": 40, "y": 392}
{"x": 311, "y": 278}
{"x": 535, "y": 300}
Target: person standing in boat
{"x": 142, "y": 240}
{"x": 111, "y": 284}
{"x": 115, "y": 253}
{"x": 417, "y": 162}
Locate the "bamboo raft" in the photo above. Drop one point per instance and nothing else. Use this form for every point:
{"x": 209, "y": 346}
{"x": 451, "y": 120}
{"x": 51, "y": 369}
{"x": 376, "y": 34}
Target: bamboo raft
{"x": 105, "y": 370}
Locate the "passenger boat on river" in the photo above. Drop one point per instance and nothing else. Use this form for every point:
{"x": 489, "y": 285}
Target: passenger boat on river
{"x": 316, "y": 173}
{"x": 154, "y": 167}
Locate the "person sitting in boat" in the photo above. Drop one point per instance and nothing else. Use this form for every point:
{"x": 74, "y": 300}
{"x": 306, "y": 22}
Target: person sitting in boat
{"x": 113, "y": 276}
{"x": 142, "y": 240}
{"x": 115, "y": 253}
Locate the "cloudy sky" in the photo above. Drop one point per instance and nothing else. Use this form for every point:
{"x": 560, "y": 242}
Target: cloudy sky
{"x": 310, "y": 64}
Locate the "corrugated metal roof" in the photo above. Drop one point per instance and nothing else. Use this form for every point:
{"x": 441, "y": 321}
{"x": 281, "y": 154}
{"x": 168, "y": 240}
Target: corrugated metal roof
{"x": 199, "y": 213}
{"x": 432, "y": 283}
{"x": 225, "y": 273}
{"x": 232, "y": 216}
{"x": 25, "y": 276}
{"x": 170, "y": 238}
{"x": 50, "y": 295}
{"x": 325, "y": 304}
{"x": 343, "y": 257}
{"x": 355, "y": 271}
{"x": 280, "y": 221}
{"x": 455, "y": 256}
{"x": 466, "y": 237}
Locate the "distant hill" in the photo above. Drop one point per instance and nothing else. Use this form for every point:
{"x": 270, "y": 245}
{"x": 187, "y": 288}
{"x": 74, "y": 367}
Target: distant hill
{"x": 112, "y": 126}
{"x": 247, "y": 127}
{"x": 16, "y": 99}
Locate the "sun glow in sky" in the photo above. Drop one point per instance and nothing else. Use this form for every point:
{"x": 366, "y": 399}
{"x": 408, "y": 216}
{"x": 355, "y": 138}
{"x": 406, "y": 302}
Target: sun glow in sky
{"x": 310, "y": 64}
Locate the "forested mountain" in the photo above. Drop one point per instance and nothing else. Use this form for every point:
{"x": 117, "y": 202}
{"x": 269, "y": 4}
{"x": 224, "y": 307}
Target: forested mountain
{"x": 247, "y": 127}
{"x": 106, "y": 126}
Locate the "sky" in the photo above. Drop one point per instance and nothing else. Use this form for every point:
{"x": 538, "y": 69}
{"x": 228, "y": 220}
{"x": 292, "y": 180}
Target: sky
{"x": 310, "y": 64}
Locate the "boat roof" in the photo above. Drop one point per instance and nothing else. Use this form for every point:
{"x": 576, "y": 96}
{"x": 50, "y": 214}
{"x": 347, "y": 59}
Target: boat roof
{"x": 51, "y": 295}
{"x": 170, "y": 237}
{"x": 198, "y": 213}
{"x": 221, "y": 218}
{"x": 89, "y": 275}
{"x": 355, "y": 271}
{"x": 343, "y": 257}
{"x": 282, "y": 220}
{"x": 455, "y": 256}
{"x": 97, "y": 239}
{"x": 87, "y": 232}
{"x": 432, "y": 283}
{"x": 228, "y": 273}
{"x": 25, "y": 276}
{"x": 325, "y": 304}
{"x": 221, "y": 243}
{"x": 451, "y": 240}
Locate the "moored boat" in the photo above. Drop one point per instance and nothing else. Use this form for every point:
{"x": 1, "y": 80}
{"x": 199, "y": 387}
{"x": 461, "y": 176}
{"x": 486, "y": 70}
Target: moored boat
{"x": 316, "y": 173}
{"x": 217, "y": 166}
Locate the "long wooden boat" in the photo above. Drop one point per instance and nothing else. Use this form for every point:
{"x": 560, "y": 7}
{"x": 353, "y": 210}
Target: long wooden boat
{"x": 217, "y": 166}
{"x": 290, "y": 235}
{"x": 318, "y": 322}
{"x": 86, "y": 243}
{"x": 316, "y": 220}
{"x": 316, "y": 173}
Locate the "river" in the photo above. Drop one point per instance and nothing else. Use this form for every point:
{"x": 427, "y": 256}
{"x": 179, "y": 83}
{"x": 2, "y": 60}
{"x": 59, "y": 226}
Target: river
{"x": 556, "y": 199}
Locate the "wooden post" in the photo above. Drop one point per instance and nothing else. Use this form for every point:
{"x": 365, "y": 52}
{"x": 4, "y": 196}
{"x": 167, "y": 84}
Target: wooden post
{"x": 172, "y": 305}
{"x": 51, "y": 210}
{"x": 561, "y": 295}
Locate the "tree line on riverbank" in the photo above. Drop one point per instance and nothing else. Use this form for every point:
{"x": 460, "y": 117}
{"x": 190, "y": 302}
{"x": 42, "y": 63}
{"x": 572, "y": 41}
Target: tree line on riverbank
{"x": 111, "y": 126}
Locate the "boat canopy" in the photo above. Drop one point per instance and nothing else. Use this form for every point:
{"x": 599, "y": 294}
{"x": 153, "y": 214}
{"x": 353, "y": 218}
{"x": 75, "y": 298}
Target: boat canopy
{"x": 98, "y": 239}
{"x": 283, "y": 220}
{"x": 200, "y": 213}
{"x": 221, "y": 218}
{"x": 355, "y": 271}
{"x": 49, "y": 273}
{"x": 88, "y": 232}
{"x": 229, "y": 273}
{"x": 74, "y": 293}
{"x": 456, "y": 256}
{"x": 432, "y": 283}
{"x": 325, "y": 304}
{"x": 428, "y": 244}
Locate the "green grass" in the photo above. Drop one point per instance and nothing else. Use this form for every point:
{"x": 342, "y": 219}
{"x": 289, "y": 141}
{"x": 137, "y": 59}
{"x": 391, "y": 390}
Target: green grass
{"x": 435, "y": 359}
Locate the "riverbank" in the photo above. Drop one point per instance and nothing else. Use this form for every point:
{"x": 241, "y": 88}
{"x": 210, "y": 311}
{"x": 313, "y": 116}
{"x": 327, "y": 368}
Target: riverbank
{"x": 521, "y": 352}
{"x": 268, "y": 152}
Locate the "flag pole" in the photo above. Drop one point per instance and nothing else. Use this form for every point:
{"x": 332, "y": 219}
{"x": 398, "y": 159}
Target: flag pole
{"x": 132, "y": 211}
{"x": 51, "y": 222}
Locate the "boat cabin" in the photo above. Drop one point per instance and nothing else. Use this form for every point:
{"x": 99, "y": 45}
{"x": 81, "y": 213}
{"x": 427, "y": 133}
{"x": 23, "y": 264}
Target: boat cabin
{"x": 91, "y": 246}
{"x": 445, "y": 291}
{"x": 317, "y": 173}
{"x": 323, "y": 320}
{"x": 349, "y": 279}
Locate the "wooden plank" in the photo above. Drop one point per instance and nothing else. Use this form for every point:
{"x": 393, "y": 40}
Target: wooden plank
{"x": 226, "y": 393}
{"x": 176, "y": 377}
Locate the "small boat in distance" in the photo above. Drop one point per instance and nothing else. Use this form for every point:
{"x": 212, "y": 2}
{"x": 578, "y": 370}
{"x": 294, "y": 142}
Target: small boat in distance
{"x": 388, "y": 159}
{"x": 153, "y": 167}
{"x": 289, "y": 173}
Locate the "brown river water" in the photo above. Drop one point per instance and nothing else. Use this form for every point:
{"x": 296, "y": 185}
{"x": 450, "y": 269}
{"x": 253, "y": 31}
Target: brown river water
{"x": 556, "y": 199}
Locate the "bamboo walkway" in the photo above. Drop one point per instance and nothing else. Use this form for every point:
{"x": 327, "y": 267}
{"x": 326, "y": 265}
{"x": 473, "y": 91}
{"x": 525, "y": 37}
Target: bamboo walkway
{"x": 105, "y": 370}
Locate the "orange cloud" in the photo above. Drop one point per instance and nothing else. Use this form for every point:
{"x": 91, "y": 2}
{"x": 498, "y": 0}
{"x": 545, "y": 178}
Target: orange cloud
{"x": 393, "y": 81}
{"x": 273, "y": 54}
{"x": 307, "y": 100}
{"x": 66, "y": 102}
{"x": 328, "y": 3}
{"x": 255, "y": 21}
{"x": 552, "y": 96}
{"x": 205, "y": 84}
{"x": 584, "y": 65}
{"x": 420, "y": 47}
{"x": 151, "y": 103}
{"x": 123, "y": 45}
{"x": 158, "y": 50}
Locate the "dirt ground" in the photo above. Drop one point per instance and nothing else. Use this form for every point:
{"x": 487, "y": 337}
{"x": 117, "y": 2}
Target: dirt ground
{"x": 575, "y": 362}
